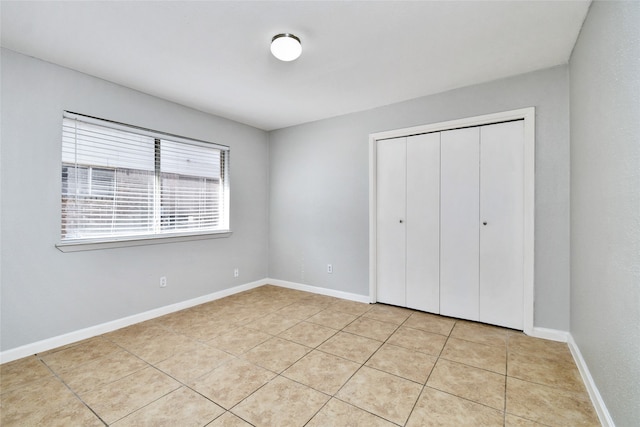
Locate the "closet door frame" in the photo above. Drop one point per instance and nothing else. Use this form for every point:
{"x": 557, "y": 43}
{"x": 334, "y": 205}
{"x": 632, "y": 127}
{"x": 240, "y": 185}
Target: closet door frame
{"x": 526, "y": 114}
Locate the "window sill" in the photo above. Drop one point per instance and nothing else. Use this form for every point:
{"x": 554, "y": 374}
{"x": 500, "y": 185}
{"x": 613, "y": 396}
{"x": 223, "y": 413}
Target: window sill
{"x": 96, "y": 244}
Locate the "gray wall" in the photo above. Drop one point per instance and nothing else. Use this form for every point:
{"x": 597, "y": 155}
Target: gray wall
{"x": 605, "y": 203}
{"x": 45, "y": 292}
{"x": 306, "y": 192}
{"x": 319, "y": 177}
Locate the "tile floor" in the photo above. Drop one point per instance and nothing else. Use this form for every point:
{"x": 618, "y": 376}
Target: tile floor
{"x": 279, "y": 357}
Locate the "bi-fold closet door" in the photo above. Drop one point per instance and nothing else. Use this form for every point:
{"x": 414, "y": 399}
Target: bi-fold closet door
{"x": 408, "y": 221}
{"x": 450, "y": 223}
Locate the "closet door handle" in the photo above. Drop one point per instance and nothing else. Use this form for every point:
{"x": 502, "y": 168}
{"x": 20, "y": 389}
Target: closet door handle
{"x": 484, "y": 223}
{"x": 400, "y": 221}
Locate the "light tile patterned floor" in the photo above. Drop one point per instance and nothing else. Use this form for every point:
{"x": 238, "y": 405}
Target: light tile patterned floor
{"x": 277, "y": 357}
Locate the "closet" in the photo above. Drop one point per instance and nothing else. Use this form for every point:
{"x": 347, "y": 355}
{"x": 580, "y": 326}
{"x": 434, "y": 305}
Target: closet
{"x": 409, "y": 221}
{"x": 449, "y": 222}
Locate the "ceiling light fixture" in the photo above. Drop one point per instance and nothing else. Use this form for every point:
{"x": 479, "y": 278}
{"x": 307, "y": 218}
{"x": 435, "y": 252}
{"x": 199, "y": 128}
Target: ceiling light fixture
{"x": 286, "y": 47}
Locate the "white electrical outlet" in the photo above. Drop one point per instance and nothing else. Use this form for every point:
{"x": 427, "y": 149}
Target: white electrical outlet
{"x": 329, "y": 268}
{"x": 236, "y": 272}
{"x": 163, "y": 282}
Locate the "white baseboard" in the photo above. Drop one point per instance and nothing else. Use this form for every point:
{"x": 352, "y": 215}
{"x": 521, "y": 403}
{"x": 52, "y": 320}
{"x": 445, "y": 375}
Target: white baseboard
{"x": 71, "y": 337}
{"x": 538, "y": 332}
{"x": 594, "y": 394}
{"x": 549, "y": 334}
{"x": 321, "y": 291}
{"x": 92, "y": 331}
{"x": 592, "y": 389}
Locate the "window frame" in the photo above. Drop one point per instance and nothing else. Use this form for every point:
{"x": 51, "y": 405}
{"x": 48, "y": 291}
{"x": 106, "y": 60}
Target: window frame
{"x": 82, "y": 244}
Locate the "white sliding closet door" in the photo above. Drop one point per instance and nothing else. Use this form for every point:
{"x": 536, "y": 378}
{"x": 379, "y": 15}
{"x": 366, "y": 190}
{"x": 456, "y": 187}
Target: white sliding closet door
{"x": 459, "y": 223}
{"x": 423, "y": 222}
{"x": 501, "y": 229}
{"x": 391, "y": 205}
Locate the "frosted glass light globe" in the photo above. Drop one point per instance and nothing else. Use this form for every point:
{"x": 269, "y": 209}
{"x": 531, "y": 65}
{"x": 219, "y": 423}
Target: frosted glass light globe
{"x": 286, "y": 47}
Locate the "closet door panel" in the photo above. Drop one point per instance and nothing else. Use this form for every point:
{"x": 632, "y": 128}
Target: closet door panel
{"x": 391, "y": 205}
{"x": 501, "y": 229}
{"x": 459, "y": 219}
{"x": 423, "y": 222}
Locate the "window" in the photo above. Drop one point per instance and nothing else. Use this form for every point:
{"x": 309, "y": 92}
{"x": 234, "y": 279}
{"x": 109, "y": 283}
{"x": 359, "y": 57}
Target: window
{"x": 120, "y": 182}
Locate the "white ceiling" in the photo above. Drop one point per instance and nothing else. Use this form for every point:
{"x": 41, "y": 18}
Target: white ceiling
{"x": 214, "y": 55}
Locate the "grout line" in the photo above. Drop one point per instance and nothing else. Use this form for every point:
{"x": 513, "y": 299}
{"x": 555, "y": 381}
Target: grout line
{"x": 77, "y": 396}
{"x": 113, "y": 339}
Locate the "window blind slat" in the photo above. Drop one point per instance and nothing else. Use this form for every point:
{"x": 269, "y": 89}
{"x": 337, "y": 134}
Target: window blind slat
{"x": 109, "y": 183}
{"x": 88, "y": 144}
{"x": 192, "y": 160}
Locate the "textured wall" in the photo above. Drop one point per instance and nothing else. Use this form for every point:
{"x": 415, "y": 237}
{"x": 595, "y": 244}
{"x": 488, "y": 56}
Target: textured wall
{"x": 605, "y": 203}
{"x": 46, "y": 293}
{"x": 319, "y": 194}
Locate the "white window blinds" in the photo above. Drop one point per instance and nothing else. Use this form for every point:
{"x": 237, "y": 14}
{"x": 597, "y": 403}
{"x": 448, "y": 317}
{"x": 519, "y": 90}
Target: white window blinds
{"x": 121, "y": 182}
